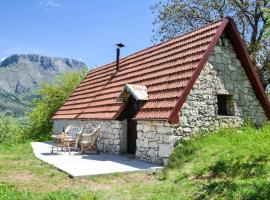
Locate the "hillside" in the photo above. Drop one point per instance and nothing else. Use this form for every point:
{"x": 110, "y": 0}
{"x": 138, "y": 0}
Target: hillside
{"x": 229, "y": 164}
{"x": 20, "y": 75}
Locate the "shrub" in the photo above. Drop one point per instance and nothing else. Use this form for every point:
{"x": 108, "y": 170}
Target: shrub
{"x": 53, "y": 95}
{"x": 11, "y": 130}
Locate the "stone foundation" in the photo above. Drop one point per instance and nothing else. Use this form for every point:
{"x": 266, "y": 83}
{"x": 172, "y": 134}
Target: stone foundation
{"x": 155, "y": 140}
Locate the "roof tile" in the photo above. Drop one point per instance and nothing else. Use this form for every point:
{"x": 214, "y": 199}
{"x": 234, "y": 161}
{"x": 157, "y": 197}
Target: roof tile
{"x": 165, "y": 69}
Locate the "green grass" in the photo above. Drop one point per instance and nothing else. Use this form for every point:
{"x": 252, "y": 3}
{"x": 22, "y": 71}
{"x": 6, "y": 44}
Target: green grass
{"x": 24, "y": 177}
{"x": 229, "y": 164}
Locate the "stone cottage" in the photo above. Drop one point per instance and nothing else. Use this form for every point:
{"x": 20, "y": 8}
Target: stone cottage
{"x": 200, "y": 81}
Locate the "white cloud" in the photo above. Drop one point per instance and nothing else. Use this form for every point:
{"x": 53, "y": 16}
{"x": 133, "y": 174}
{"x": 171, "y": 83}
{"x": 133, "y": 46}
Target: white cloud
{"x": 50, "y": 3}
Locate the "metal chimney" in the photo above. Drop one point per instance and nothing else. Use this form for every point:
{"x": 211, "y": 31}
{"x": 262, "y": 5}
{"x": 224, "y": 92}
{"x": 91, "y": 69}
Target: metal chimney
{"x": 119, "y": 46}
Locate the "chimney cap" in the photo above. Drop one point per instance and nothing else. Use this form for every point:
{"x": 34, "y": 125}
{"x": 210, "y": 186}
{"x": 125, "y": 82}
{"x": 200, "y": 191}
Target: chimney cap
{"x": 120, "y": 45}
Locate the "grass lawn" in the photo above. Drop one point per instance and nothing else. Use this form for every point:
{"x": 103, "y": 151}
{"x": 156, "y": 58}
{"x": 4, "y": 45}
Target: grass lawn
{"x": 22, "y": 176}
{"x": 230, "y": 164}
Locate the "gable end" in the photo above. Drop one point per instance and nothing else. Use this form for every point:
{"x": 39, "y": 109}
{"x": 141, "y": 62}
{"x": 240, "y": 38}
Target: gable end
{"x": 229, "y": 27}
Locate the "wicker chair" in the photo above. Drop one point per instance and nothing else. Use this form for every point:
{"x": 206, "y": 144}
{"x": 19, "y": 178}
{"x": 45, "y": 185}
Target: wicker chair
{"x": 73, "y": 134}
{"x": 89, "y": 141}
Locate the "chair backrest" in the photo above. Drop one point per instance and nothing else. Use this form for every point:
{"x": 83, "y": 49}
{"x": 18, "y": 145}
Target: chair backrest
{"x": 97, "y": 130}
{"x": 92, "y": 137}
{"x": 73, "y": 130}
{"x": 96, "y": 133}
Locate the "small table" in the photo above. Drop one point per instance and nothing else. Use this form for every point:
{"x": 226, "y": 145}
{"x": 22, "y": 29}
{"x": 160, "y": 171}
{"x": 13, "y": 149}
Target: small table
{"x": 62, "y": 141}
{"x": 56, "y": 140}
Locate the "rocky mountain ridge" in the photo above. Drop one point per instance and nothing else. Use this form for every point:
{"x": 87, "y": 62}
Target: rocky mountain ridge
{"x": 20, "y": 75}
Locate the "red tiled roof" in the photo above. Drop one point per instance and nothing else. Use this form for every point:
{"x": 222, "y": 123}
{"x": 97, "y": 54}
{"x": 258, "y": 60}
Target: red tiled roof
{"x": 169, "y": 71}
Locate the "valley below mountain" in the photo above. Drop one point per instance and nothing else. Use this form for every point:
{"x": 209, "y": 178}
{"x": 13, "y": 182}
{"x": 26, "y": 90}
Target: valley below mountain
{"x": 20, "y": 75}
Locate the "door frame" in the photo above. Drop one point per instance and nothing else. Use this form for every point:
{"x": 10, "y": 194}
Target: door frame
{"x": 131, "y": 135}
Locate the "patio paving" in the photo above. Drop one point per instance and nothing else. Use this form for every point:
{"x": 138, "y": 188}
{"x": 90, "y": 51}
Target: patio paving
{"x": 79, "y": 166}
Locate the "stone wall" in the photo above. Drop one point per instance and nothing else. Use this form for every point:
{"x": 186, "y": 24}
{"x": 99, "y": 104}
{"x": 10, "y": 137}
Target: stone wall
{"x": 111, "y": 137}
{"x": 223, "y": 74}
{"x": 155, "y": 140}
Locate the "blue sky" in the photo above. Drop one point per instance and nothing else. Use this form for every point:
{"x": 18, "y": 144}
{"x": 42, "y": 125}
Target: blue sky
{"x": 86, "y": 30}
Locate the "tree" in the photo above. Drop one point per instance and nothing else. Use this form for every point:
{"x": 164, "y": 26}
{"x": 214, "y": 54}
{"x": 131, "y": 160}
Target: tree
{"x": 267, "y": 16}
{"x": 175, "y": 17}
{"x": 52, "y": 97}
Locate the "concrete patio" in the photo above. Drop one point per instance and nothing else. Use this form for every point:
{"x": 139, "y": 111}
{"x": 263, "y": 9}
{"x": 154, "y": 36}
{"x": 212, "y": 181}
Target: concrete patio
{"x": 77, "y": 165}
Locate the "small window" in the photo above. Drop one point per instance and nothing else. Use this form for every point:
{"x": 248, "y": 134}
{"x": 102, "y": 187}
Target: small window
{"x": 223, "y": 41}
{"x": 225, "y": 105}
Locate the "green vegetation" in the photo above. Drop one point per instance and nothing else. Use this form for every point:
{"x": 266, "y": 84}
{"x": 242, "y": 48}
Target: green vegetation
{"x": 267, "y": 16}
{"x": 37, "y": 124}
{"x": 52, "y": 97}
{"x": 11, "y": 130}
{"x": 229, "y": 164}
{"x": 24, "y": 177}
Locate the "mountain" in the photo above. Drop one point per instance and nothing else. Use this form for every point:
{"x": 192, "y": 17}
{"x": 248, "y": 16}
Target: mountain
{"x": 20, "y": 75}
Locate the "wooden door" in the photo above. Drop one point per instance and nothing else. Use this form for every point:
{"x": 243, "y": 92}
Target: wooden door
{"x": 131, "y": 135}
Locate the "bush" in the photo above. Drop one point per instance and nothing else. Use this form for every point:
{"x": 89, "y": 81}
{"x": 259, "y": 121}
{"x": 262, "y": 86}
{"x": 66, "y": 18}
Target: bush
{"x": 11, "y": 130}
{"x": 52, "y": 97}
